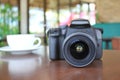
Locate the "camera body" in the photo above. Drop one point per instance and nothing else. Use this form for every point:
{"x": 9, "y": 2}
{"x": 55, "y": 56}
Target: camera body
{"x": 79, "y": 44}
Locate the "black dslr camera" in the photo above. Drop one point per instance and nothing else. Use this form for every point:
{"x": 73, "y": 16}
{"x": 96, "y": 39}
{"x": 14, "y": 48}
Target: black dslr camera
{"x": 79, "y": 44}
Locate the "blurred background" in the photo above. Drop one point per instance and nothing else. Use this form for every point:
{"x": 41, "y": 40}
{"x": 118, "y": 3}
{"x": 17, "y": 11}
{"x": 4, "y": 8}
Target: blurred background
{"x": 36, "y": 16}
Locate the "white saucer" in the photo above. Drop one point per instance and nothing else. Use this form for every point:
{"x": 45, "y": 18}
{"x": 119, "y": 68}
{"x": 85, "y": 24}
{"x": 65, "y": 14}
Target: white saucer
{"x": 17, "y": 51}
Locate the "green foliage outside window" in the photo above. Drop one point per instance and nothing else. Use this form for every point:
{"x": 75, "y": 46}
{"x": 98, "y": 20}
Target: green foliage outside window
{"x": 8, "y": 21}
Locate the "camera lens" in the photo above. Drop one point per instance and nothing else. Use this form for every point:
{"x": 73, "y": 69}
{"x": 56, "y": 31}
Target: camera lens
{"x": 79, "y": 50}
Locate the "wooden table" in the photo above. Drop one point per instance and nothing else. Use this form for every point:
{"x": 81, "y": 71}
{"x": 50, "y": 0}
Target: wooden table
{"x": 38, "y": 67}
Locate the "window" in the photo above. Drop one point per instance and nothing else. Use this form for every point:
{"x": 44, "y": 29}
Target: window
{"x": 9, "y": 19}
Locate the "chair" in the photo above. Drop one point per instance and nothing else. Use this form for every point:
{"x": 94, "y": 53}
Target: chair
{"x": 116, "y": 43}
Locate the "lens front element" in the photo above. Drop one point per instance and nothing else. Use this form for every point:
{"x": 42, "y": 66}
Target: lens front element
{"x": 79, "y": 49}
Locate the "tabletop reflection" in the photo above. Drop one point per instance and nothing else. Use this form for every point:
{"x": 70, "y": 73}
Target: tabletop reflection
{"x": 63, "y": 71}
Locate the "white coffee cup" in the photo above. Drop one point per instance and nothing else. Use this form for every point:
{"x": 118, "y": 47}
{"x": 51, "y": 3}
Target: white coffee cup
{"x": 23, "y": 41}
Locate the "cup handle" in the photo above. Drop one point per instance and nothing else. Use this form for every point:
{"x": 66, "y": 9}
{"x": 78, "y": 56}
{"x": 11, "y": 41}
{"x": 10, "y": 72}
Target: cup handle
{"x": 39, "y": 42}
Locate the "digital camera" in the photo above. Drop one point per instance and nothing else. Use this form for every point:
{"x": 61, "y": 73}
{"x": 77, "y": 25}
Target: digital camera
{"x": 79, "y": 44}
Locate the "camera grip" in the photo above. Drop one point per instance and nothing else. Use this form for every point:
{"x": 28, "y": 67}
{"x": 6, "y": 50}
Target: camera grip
{"x": 54, "y": 47}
